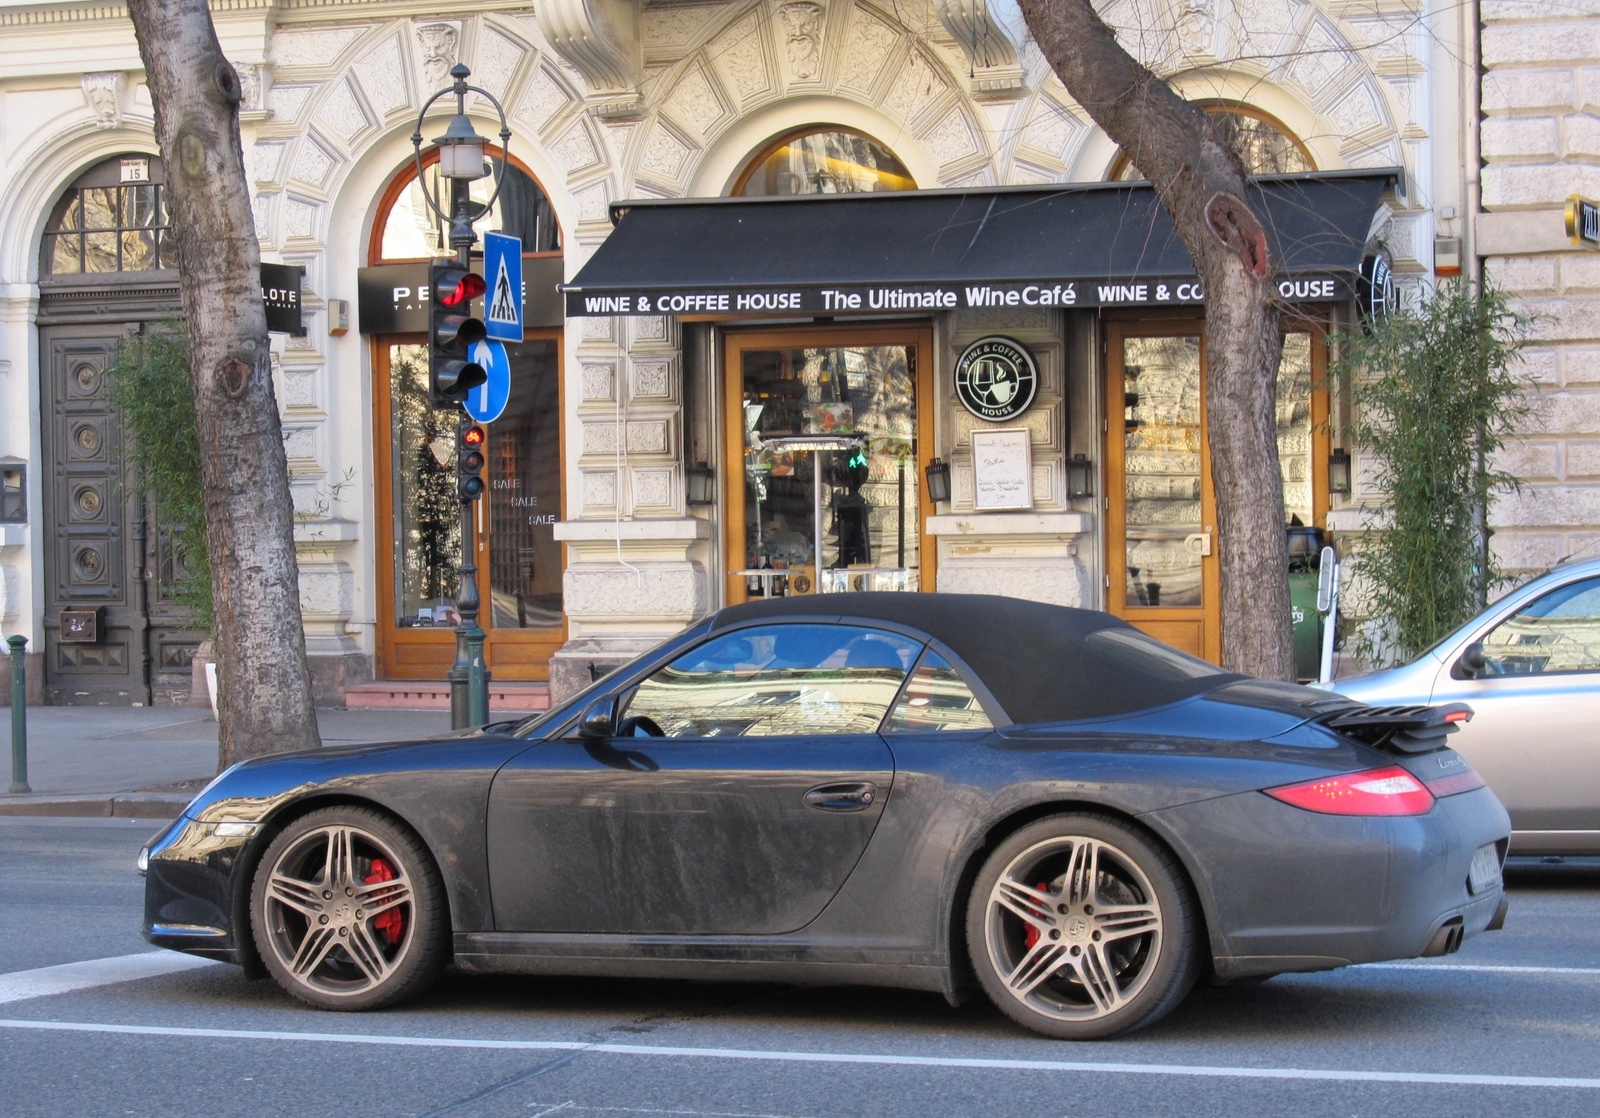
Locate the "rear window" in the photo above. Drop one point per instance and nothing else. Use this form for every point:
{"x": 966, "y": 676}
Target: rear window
{"x": 1136, "y": 652}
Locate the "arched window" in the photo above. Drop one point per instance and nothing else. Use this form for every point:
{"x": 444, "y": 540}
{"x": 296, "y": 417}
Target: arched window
{"x": 823, "y": 160}
{"x": 1264, "y": 145}
{"x": 113, "y": 218}
{"x": 407, "y": 229}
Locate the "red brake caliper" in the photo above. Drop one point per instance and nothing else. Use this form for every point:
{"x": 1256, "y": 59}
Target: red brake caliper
{"x": 1032, "y": 933}
{"x": 390, "y": 923}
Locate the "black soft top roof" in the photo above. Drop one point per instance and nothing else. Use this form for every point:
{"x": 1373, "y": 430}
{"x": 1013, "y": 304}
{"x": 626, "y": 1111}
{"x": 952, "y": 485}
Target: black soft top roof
{"x": 1036, "y": 659}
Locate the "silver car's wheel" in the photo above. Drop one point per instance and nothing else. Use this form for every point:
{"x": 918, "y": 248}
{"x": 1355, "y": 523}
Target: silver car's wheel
{"x": 1080, "y": 927}
{"x": 347, "y": 910}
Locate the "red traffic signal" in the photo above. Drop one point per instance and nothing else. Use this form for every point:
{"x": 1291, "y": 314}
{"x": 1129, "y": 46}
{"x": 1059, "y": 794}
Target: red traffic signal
{"x": 452, "y": 330}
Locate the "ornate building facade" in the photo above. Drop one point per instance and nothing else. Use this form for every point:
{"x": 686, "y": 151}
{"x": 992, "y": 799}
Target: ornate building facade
{"x": 599, "y": 536}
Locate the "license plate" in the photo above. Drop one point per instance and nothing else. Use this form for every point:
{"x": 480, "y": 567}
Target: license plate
{"x": 1485, "y": 873}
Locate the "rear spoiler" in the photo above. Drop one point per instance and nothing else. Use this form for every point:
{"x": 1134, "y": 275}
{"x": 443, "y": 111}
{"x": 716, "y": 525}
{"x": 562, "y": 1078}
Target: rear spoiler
{"x": 1407, "y": 729}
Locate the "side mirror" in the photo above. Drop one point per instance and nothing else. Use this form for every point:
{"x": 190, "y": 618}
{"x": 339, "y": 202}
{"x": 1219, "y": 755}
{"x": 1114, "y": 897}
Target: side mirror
{"x": 1472, "y": 661}
{"x": 599, "y": 720}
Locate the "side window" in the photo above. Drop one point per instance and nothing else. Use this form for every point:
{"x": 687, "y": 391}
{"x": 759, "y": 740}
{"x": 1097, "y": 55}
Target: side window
{"x": 937, "y": 698}
{"x": 1558, "y": 633}
{"x": 779, "y": 679}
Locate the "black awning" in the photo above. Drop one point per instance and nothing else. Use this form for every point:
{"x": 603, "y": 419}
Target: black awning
{"x": 1085, "y": 245}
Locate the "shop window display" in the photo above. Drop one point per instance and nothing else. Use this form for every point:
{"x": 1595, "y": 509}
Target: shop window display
{"x": 831, "y": 499}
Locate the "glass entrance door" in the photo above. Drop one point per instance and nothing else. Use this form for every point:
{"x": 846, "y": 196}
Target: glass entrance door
{"x": 1161, "y": 540}
{"x": 825, "y": 448}
{"x": 519, "y": 560}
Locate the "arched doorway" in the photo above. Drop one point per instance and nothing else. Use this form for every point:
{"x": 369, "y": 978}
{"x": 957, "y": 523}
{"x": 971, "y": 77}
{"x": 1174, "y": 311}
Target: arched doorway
{"x": 104, "y": 274}
{"x": 520, "y": 563}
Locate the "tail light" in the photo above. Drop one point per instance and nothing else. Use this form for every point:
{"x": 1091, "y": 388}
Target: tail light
{"x": 1386, "y": 791}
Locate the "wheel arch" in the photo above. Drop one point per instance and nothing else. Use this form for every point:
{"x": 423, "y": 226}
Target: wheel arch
{"x": 274, "y": 825}
{"x": 1013, "y": 821}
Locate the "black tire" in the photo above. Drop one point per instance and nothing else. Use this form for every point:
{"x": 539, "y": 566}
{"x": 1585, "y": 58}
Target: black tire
{"x": 1077, "y": 961}
{"x": 320, "y": 910}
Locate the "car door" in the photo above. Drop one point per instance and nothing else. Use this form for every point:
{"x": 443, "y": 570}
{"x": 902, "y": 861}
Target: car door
{"x": 744, "y": 817}
{"x": 1535, "y": 731}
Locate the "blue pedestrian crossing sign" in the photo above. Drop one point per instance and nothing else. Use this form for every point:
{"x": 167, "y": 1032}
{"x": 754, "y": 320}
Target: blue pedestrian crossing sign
{"x": 502, "y": 306}
{"x": 488, "y": 400}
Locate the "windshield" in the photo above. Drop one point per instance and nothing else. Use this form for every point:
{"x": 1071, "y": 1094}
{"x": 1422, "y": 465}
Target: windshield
{"x": 536, "y": 723}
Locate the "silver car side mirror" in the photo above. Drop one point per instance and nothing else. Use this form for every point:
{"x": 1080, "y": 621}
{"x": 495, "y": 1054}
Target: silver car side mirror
{"x": 1472, "y": 661}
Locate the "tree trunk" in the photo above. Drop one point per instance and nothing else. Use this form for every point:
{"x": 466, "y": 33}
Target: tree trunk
{"x": 265, "y": 701}
{"x": 1201, "y": 184}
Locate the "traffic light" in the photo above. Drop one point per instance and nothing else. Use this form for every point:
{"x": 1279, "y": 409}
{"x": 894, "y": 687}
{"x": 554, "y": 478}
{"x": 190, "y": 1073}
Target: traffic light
{"x": 469, "y": 464}
{"x": 451, "y": 371}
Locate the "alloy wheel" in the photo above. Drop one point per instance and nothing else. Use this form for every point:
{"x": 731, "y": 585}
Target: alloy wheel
{"x": 339, "y": 908}
{"x": 1073, "y": 928}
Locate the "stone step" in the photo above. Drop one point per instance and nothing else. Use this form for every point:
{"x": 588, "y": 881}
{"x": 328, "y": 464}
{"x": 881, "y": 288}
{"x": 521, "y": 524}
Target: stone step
{"x": 510, "y": 697}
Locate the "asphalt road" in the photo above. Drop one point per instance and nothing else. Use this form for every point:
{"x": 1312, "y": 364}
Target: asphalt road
{"x": 1510, "y": 1025}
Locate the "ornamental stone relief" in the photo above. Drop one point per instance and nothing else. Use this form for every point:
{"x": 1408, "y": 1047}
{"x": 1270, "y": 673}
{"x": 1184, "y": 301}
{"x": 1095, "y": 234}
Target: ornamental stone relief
{"x": 312, "y": 163}
{"x": 915, "y": 87}
{"x": 599, "y": 490}
{"x": 316, "y": 47}
{"x": 103, "y": 92}
{"x": 436, "y": 50}
{"x": 801, "y": 26}
{"x": 599, "y": 379}
{"x": 740, "y": 56}
{"x": 341, "y": 113}
{"x": 287, "y": 101}
{"x": 870, "y": 45}
{"x": 382, "y": 74}
{"x": 250, "y": 91}
{"x": 497, "y": 58}
{"x": 664, "y": 154}
{"x": 951, "y": 139}
{"x": 542, "y": 99}
{"x": 693, "y": 102}
{"x": 575, "y": 149}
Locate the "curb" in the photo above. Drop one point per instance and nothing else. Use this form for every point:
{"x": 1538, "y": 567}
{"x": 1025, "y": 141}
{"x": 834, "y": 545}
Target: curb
{"x": 122, "y": 805}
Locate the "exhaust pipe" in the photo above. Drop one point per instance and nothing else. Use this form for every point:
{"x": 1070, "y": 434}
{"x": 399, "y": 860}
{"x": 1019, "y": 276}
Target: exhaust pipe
{"x": 1446, "y": 939}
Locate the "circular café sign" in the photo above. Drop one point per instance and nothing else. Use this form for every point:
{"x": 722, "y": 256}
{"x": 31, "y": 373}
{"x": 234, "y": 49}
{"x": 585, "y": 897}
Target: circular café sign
{"x": 996, "y": 378}
{"x": 1375, "y": 291}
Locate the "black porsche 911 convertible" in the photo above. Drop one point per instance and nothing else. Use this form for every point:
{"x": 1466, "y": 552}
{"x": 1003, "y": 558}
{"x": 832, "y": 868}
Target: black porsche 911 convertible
{"x": 931, "y": 791}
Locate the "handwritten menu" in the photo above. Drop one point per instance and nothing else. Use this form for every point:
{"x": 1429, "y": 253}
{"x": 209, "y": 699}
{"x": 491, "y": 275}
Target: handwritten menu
{"x": 1002, "y": 470}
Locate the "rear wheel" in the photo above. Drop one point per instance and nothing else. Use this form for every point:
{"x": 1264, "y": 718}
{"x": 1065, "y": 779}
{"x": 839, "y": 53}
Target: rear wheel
{"x": 348, "y": 910}
{"x": 1080, "y": 926}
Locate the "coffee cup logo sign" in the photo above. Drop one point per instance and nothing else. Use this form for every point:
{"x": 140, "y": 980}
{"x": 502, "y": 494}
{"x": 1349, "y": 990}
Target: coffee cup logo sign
{"x": 996, "y": 379}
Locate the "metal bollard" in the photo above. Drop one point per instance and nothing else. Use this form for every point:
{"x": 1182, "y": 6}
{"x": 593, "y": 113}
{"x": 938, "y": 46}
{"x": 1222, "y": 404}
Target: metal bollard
{"x": 477, "y": 679}
{"x": 19, "y": 714}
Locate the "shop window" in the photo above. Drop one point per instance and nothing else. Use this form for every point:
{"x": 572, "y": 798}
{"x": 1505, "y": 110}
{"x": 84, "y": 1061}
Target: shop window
{"x": 113, "y": 218}
{"x": 778, "y": 680}
{"x": 823, "y": 161}
{"x": 410, "y": 230}
{"x": 1264, "y": 145}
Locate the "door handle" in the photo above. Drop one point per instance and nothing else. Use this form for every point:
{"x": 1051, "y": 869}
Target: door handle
{"x": 841, "y": 797}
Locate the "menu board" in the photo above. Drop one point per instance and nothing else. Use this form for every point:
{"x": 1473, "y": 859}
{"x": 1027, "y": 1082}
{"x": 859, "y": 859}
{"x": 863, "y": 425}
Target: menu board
{"x": 1002, "y": 469}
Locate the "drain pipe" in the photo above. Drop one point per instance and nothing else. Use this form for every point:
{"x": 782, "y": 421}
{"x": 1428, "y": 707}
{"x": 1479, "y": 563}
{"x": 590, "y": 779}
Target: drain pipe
{"x": 1471, "y": 143}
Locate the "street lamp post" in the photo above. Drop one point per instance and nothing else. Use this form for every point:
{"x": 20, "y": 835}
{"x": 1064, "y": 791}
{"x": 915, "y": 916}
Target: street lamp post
{"x": 461, "y": 161}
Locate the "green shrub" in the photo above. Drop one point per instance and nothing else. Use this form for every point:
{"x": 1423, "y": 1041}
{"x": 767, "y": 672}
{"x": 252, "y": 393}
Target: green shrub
{"x": 150, "y": 384}
{"x": 1436, "y": 397}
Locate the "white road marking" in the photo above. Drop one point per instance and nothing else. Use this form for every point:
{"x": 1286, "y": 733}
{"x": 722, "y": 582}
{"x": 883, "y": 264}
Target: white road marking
{"x": 777, "y": 1056}
{"x": 42, "y": 983}
{"x": 1475, "y": 968}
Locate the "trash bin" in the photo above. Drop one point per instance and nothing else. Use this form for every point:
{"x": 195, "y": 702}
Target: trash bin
{"x": 1305, "y": 550}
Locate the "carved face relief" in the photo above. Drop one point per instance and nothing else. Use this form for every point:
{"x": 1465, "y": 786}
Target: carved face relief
{"x": 802, "y": 24}
{"x": 1197, "y": 26}
{"x": 103, "y": 91}
{"x": 438, "y": 43}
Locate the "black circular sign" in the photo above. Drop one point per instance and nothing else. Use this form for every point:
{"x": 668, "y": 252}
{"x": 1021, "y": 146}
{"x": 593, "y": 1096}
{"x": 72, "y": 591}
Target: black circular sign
{"x": 996, "y": 378}
{"x": 1375, "y": 292}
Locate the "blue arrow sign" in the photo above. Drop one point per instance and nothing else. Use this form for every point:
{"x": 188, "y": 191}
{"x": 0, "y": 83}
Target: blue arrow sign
{"x": 488, "y": 400}
{"x": 502, "y": 304}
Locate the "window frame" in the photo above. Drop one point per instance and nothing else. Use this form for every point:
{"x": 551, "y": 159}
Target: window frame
{"x": 766, "y": 151}
{"x": 105, "y": 175}
{"x": 407, "y": 174}
{"x": 1220, "y": 105}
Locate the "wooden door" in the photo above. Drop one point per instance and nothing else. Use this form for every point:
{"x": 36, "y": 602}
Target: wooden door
{"x": 1160, "y": 514}
{"x": 519, "y": 561}
{"x": 869, "y": 384}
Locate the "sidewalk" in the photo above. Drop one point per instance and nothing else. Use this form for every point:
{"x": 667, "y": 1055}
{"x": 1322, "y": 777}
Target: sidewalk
{"x": 149, "y": 761}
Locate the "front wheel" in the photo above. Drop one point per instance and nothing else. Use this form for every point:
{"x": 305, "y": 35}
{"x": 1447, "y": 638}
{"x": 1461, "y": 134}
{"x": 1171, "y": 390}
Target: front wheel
{"x": 348, "y": 910}
{"x": 1080, "y": 926}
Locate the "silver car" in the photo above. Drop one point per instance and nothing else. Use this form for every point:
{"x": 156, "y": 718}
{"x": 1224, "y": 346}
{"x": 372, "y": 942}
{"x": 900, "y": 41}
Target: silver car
{"x": 1529, "y": 666}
